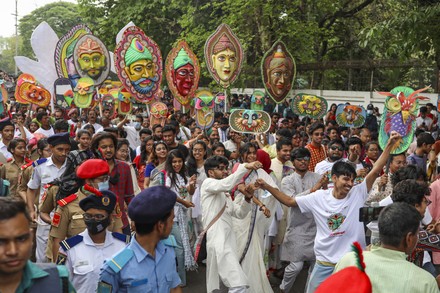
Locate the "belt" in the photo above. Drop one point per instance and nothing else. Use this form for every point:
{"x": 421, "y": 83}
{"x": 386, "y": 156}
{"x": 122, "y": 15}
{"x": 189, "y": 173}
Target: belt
{"x": 325, "y": 263}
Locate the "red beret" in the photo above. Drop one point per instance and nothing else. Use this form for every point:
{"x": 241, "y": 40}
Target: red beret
{"x": 92, "y": 168}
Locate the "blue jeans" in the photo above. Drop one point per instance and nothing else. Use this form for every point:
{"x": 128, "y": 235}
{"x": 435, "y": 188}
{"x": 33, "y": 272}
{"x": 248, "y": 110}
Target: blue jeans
{"x": 179, "y": 253}
{"x": 319, "y": 274}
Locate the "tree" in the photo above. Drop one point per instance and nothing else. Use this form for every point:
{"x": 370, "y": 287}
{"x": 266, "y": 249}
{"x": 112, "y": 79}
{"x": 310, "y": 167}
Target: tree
{"x": 7, "y": 53}
{"x": 61, "y": 16}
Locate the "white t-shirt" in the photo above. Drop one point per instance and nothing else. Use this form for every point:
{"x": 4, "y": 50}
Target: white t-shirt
{"x": 428, "y": 121}
{"x": 337, "y": 221}
{"x": 46, "y": 133}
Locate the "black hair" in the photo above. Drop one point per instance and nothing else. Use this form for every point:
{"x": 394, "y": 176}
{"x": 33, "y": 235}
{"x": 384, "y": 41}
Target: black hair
{"x": 170, "y": 170}
{"x": 213, "y": 162}
{"x": 11, "y": 207}
{"x": 42, "y": 144}
{"x": 408, "y": 172}
{"x": 425, "y": 138}
{"x": 14, "y": 143}
{"x": 410, "y": 191}
{"x": 191, "y": 162}
{"x": 144, "y": 155}
{"x": 169, "y": 127}
{"x": 329, "y": 129}
{"x": 122, "y": 142}
{"x": 299, "y": 153}
{"x": 284, "y": 132}
{"x": 315, "y": 126}
{"x": 353, "y": 141}
{"x": 97, "y": 138}
{"x": 336, "y": 141}
{"x": 396, "y": 221}
{"x": 82, "y": 132}
{"x": 418, "y": 131}
{"x": 61, "y": 125}
{"x": 217, "y": 145}
{"x": 367, "y": 145}
{"x": 245, "y": 149}
{"x": 156, "y": 126}
{"x": 423, "y": 109}
{"x": 145, "y": 131}
{"x": 189, "y": 121}
{"x": 392, "y": 156}
{"x": 283, "y": 141}
{"x": 40, "y": 115}
{"x": 224, "y": 120}
{"x": 341, "y": 168}
{"x": 153, "y": 156}
{"x": 89, "y": 126}
{"x": 147, "y": 228}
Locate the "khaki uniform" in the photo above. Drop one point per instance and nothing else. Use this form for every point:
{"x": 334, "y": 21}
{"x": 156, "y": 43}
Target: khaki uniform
{"x": 48, "y": 204}
{"x": 11, "y": 171}
{"x": 23, "y": 178}
{"x": 68, "y": 219}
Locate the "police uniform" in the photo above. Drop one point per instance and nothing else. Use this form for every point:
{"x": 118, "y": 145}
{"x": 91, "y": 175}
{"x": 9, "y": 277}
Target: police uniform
{"x": 82, "y": 256}
{"x": 10, "y": 171}
{"x": 134, "y": 269}
{"x": 45, "y": 171}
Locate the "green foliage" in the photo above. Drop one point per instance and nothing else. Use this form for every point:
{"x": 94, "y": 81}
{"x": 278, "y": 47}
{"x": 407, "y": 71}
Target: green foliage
{"x": 7, "y": 53}
{"x": 61, "y": 16}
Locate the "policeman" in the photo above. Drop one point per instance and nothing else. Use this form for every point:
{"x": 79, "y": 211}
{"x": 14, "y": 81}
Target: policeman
{"x": 45, "y": 171}
{"x": 148, "y": 263}
{"x": 68, "y": 219}
{"x": 85, "y": 253}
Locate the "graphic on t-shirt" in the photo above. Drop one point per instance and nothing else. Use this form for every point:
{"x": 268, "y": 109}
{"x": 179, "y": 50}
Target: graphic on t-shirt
{"x": 335, "y": 221}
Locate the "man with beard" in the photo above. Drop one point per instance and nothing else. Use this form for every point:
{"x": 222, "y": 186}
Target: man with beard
{"x": 120, "y": 182}
{"x": 317, "y": 150}
{"x": 139, "y": 67}
{"x": 297, "y": 247}
{"x": 169, "y": 137}
{"x": 183, "y": 73}
{"x": 92, "y": 120}
{"x": 17, "y": 272}
{"x": 336, "y": 212}
{"x": 223, "y": 131}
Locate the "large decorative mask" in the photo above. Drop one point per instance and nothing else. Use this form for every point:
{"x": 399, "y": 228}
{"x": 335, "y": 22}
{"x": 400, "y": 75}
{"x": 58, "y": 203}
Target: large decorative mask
{"x": 257, "y": 100}
{"x": 91, "y": 58}
{"x": 249, "y": 121}
{"x": 309, "y": 105}
{"x": 204, "y": 107}
{"x": 63, "y": 93}
{"x": 83, "y": 92}
{"x": 182, "y": 72}
{"x": 158, "y": 113}
{"x": 399, "y": 114}
{"x": 125, "y": 104}
{"x": 138, "y": 63}
{"x": 278, "y": 70}
{"x": 223, "y": 55}
{"x": 350, "y": 115}
{"x": 29, "y": 91}
{"x": 64, "y": 53}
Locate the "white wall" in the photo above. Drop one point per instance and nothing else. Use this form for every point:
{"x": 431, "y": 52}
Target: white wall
{"x": 338, "y": 97}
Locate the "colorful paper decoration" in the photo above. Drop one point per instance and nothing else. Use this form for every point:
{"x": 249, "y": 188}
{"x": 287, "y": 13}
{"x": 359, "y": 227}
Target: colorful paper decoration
{"x": 3, "y": 91}
{"x": 138, "y": 63}
{"x": 63, "y": 93}
{"x": 158, "y": 113}
{"x": 182, "y": 70}
{"x": 219, "y": 102}
{"x": 249, "y": 121}
{"x": 204, "y": 107}
{"x": 350, "y": 115}
{"x": 224, "y": 55}
{"x": 278, "y": 70}
{"x": 400, "y": 113}
{"x": 257, "y": 100}
{"x": 125, "y": 102}
{"x": 64, "y": 63}
{"x": 91, "y": 58}
{"x": 83, "y": 92}
{"x": 29, "y": 91}
{"x": 308, "y": 105}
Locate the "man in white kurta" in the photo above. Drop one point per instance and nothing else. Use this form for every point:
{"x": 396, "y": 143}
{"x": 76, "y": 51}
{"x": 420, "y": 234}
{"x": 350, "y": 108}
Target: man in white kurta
{"x": 222, "y": 257}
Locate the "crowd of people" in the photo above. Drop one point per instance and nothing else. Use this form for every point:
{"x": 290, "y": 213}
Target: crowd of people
{"x": 122, "y": 204}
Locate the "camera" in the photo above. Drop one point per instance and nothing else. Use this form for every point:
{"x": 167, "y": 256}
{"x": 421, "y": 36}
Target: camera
{"x": 368, "y": 214}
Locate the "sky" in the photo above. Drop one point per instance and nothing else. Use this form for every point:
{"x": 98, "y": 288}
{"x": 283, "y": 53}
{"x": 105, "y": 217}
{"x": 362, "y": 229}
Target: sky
{"x": 7, "y": 27}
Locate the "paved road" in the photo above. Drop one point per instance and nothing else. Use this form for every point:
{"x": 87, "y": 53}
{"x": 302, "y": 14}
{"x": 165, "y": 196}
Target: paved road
{"x": 196, "y": 282}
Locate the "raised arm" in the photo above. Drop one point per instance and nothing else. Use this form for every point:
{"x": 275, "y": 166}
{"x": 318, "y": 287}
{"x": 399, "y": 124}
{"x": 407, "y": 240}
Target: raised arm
{"x": 395, "y": 138}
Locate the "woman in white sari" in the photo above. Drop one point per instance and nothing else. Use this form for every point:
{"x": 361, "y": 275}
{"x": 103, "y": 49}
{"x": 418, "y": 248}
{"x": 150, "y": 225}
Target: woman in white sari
{"x": 251, "y": 248}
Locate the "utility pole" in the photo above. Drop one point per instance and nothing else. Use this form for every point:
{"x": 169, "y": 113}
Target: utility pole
{"x": 16, "y": 33}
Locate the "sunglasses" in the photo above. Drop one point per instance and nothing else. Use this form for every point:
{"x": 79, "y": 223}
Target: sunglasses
{"x": 221, "y": 168}
{"x": 319, "y": 134}
{"x": 334, "y": 148}
{"x": 303, "y": 159}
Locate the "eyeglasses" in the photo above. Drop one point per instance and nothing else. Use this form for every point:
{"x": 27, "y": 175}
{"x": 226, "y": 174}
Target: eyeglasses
{"x": 198, "y": 150}
{"x": 319, "y": 134}
{"x": 97, "y": 217}
{"x": 303, "y": 159}
{"x": 335, "y": 147}
{"x": 123, "y": 151}
{"x": 221, "y": 168}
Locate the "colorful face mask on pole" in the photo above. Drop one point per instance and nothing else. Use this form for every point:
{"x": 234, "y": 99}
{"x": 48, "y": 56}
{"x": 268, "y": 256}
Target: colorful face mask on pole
{"x": 204, "y": 107}
{"x": 249, "y": 121}
{"x": 29, "y": 91}
{"x": 138, "y": 63}
{"x": 308, "y": 105}
{"x": 278, "y": 71}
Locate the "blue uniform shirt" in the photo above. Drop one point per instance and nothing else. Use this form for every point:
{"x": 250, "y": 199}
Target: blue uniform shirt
{"x": 135, "y": 270}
